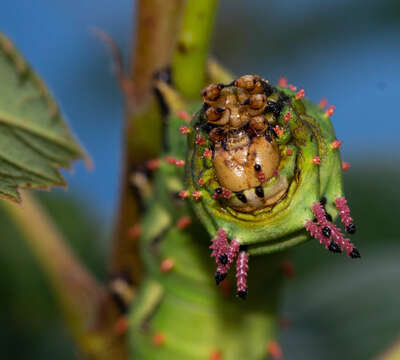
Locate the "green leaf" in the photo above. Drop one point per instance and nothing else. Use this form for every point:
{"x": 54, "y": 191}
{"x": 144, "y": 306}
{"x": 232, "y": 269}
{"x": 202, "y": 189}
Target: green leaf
{"x": 34, "y": 138}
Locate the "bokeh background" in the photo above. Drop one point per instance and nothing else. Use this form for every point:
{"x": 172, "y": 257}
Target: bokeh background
{"x": 345, "y": 50}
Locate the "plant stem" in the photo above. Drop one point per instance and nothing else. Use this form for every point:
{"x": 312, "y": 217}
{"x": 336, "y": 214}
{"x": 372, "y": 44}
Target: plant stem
{"x": 85, "y": 305}
{"x": 156, "y": 32}
{"x": 190, "y": 58}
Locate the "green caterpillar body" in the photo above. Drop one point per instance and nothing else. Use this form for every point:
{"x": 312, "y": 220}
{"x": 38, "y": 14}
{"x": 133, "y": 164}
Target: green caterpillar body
{"x": 309, "y": 169}
{"x": 258, "y": 161}
{"x": 205, "y": 320}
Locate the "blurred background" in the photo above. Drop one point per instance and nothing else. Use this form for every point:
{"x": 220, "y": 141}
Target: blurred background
{"x": 345, "y": 50}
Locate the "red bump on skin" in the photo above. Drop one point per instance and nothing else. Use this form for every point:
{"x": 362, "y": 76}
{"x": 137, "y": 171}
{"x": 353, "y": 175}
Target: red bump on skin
{"x": 274, "y": 350}
{"x": 292, "y": 87}
{"x": 183, "y": 222}
{"x": 289, "y": 152}
{"x": 170, "y": 160}
{"x": 167, "y": 265}
{"x": 300, "y": 94}
{"x": 207, "y": 153}
{"x": 158, "y": 339}
{"x": 183, "y": 194}
{"x": 323, "y": 103}
{"x": 261, "y": 176}
{"x": 173, "y": 161}
{"x": 282, "y": 82}
{"x": 184, "y": 129}
{"x": 184, "y": 115}
{"x": 330, "y": 110}
{"x": 287, "y": 117}
{"x": 216, "y": 355}
{"x": 200, "y": 140}
{"x": 316, "y": 160}
{"x": 278, "y": 130}
{"x": 336, "y": 144}
{"x": 135, "y": 231}
{"x": 226, "y": 193}
{"x": 121, "y": 326}
{"x": 200, "y": 182}
{"x": 288, "y": 269}
{"x": 196, "y": 195}
{"x": 345, "y": 166}
{"x": 153, "y": 164}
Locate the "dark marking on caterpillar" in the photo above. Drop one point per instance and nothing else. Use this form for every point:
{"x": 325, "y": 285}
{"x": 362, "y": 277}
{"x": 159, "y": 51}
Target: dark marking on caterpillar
{"x": 158, "y": 238}
{"x": 328, "y": 217}
{"x": 223, "y": 259}
{"x": 355, "y": 254}
{"x": 268, "y": 88}
{"x": 145, "y": 324}
{"x": 259, "y": 191}
{"x": 351, "y": 229}
{"x": 326, "y": 231}
{"x": 334, "y": 247}
{"x": 219, "y": 277}
{"x": 241, "y": 196}
{"x": 274, "y": 107}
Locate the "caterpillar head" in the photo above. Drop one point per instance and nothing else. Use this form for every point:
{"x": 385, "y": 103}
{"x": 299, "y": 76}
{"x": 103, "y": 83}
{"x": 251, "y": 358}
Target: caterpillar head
{"x": 261, "y": 158}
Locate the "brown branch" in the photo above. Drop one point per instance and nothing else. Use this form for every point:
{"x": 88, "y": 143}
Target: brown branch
{"x": 85, "y": 304}
{"x": 156, "y": 30}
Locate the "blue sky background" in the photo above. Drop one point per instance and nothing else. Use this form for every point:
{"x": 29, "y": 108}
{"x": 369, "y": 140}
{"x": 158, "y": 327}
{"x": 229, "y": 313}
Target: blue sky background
{"x": 348, "y": 51}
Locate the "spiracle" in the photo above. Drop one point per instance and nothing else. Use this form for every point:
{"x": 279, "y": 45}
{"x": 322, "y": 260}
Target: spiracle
{"x": 260, "y": 158}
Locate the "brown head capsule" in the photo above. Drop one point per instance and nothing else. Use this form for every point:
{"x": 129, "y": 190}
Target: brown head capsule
{"x": 217, "y": 135}
{"x": 212, "y": 92}
{"x": 248, "y": 82}
{"x": 217, "y": 116}
{"x": 258, "y": 124}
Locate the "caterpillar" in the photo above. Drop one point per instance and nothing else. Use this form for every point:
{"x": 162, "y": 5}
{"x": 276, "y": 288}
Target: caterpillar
{"x": 256, "y": 169}
{"x": 270, "y": 168}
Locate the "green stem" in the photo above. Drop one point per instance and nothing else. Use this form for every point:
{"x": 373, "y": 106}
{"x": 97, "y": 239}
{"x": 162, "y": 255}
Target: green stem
{"x": 190, "y": 58}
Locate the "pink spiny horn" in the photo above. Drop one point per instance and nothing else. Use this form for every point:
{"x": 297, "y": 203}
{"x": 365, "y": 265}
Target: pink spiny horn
{"x": 219, "y": 245}
{"x": 315, "y": 230}
{"x": 333, "y": 232}
{"x": 226, "y": 260}
{"x": 241, "y": 274}
{"x": 344, "y": 212}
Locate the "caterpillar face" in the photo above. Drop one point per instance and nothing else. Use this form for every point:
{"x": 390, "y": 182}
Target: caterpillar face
{"x": 260, "y": 157}
{"x": 245, "y": 152}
